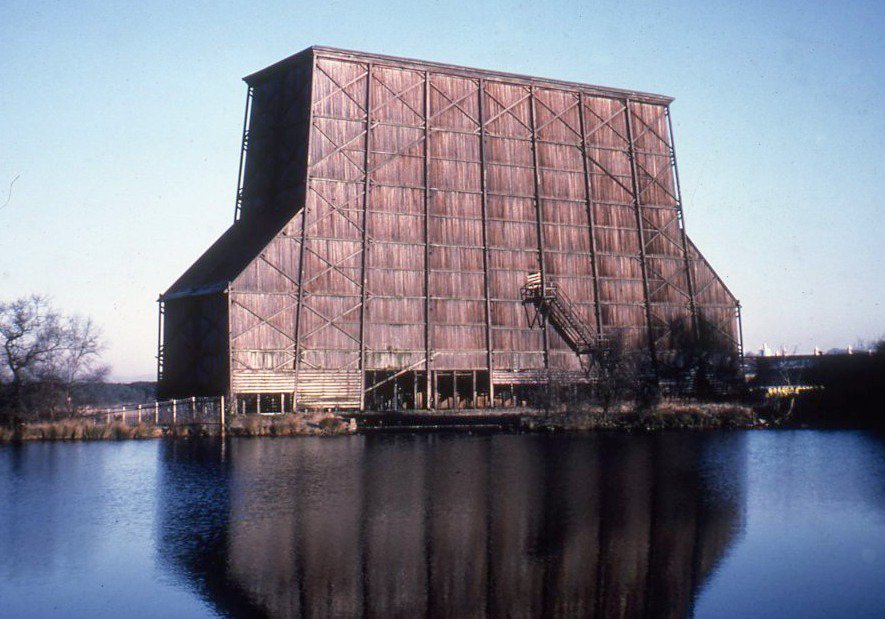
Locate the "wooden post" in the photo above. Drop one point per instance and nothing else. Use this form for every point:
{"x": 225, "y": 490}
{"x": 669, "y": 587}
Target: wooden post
{"x": 283, "y": 403}
{"x": 536, "y": 169}
{"x": 156, "y": 412}
{"x": 455, "y": 389}
{"x": 173, "y": 411}
{"x": 139, "y": 413}
{"x": 591, "y": 216}
{"x": 435, "y": 394}
{"x": 430, "y": 384}
{"x": 414, "y": 390}
{"x": 689, "y": 280}
{"x": 485, "y": 240}
{"x": 364, "y": 273}
{"x": 221, "y": 416}
{"x": 109, "y": 417}
{"x": 193, "y": 408}
{"x": 473, "y": 385}
{"x": 637, "y": 206}
{"x": 124, "y": 415}
{"x": 307, "y": 211}
{"x": 258, "y": 404}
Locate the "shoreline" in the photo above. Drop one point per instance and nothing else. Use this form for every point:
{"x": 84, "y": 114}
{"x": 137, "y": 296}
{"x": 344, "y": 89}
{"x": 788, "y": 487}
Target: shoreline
{"x": 667, "y": 415}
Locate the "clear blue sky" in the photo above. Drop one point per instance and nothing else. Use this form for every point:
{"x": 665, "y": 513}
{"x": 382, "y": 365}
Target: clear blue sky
{"x": 124, "y": 123}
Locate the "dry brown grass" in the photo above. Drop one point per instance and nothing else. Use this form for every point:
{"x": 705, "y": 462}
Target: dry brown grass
{"x": 317, "y": 424}
{"x": 313, "y": 424}
{"x": 79, "y": 430}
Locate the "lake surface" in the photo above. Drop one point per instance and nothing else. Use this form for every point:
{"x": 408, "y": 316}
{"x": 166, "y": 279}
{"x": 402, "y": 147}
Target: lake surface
{"x": 773, "y": 523}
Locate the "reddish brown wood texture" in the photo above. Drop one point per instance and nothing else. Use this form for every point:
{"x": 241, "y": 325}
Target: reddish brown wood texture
{"x": 422, "y": 197}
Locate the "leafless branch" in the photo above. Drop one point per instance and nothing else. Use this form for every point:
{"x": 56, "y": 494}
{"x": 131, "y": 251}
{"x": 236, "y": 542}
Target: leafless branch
{"x": 9, "y": 195}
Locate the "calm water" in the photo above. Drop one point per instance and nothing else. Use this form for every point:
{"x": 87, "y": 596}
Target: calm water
{"x": 734, "y": 524}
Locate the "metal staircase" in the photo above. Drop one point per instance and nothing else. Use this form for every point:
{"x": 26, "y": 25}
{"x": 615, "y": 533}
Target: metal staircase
{"x": 553, "y": 303}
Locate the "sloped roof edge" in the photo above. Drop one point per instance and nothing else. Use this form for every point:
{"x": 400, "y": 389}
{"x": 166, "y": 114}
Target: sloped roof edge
{"x": 258, "y": 76}
{"x": 228, "y": 256}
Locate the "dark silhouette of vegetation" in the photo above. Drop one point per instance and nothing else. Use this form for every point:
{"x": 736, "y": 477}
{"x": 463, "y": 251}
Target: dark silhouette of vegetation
{"x": 44, "y": 356}
{"x": 613, "y": 371}
{"x": 847, "y": 390}
{"x": 702, "y": 364}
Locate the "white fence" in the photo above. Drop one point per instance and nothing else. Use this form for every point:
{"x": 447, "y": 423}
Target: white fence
{"x": 183, "y": 411}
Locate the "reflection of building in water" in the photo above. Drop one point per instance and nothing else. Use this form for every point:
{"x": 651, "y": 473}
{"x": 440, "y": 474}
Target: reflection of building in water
{"x": 502, "y": 525}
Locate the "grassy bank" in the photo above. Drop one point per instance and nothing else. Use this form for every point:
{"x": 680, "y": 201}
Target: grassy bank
{"x": 667, "y": 415}
{"x": 248, "y": 425}
{"x": 78, "y": 430}
{"x": 318, "y": 424}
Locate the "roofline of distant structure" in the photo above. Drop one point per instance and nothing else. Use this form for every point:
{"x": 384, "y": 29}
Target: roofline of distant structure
{"x": 439, "y": 67}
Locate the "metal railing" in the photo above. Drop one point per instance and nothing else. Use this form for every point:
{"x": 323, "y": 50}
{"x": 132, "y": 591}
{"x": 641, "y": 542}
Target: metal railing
{"x": 552, "y": 301}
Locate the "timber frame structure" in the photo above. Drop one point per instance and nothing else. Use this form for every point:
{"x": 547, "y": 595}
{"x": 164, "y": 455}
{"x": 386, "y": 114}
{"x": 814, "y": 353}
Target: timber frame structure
{"x": 390, "y": 214}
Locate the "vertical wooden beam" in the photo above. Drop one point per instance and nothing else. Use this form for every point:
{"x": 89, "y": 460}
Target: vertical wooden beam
{"x": 539, "y": 221}
{"x": 305, "y": 211}
{"x": 244, "y": 145}
{"x": 430, "y": 399}
{"x": 365, "y": 249}
{"x": 679, "y": 213}
{"x": 485, "y": 237}
{"x": 414, "y": 390}
{"x": 740, "y": 321}
{"x": 228, "y": 293}
{"x": 161, "y": 348}
{"x": 637, "y": 206}
{"x": 455, "y": 389}
{"x": 591, "y": 217}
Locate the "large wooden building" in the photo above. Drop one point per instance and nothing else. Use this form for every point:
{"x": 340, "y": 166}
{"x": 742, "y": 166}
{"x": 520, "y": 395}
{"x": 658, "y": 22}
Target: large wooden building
{"x": 417, "y": 234}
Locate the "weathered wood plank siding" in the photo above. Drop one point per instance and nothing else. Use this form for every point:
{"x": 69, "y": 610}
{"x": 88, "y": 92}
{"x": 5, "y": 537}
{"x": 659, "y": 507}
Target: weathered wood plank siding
{"x": 403, "y": 203}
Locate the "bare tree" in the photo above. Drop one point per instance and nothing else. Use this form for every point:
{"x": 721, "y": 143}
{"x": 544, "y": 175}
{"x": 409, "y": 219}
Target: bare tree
{"x": 44, "y": 355}
{"x": 702, "y": 362}
{"x": 612, "y": 370}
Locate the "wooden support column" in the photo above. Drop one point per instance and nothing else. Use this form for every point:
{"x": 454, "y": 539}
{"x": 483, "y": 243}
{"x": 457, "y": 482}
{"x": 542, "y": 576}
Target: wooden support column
{"x": 740, "y": 321}
{"x": 430, "y": 400}
{"x": 485, "y": 239}
{"x": 365, "y": 249}
{"x": 161, "y": 349}
{"x": 244, "y": 146}
{"x": 539, "y": 222}
{"x": 304, "y": 215}
{"x": 228, "y": 294}
{"x": 455, "y": 389}
{"x": 637, "y": 206}
{"x": 591, "y": 217}
{"x": 689, "y": 280}
{"x": 414, "y": 390}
